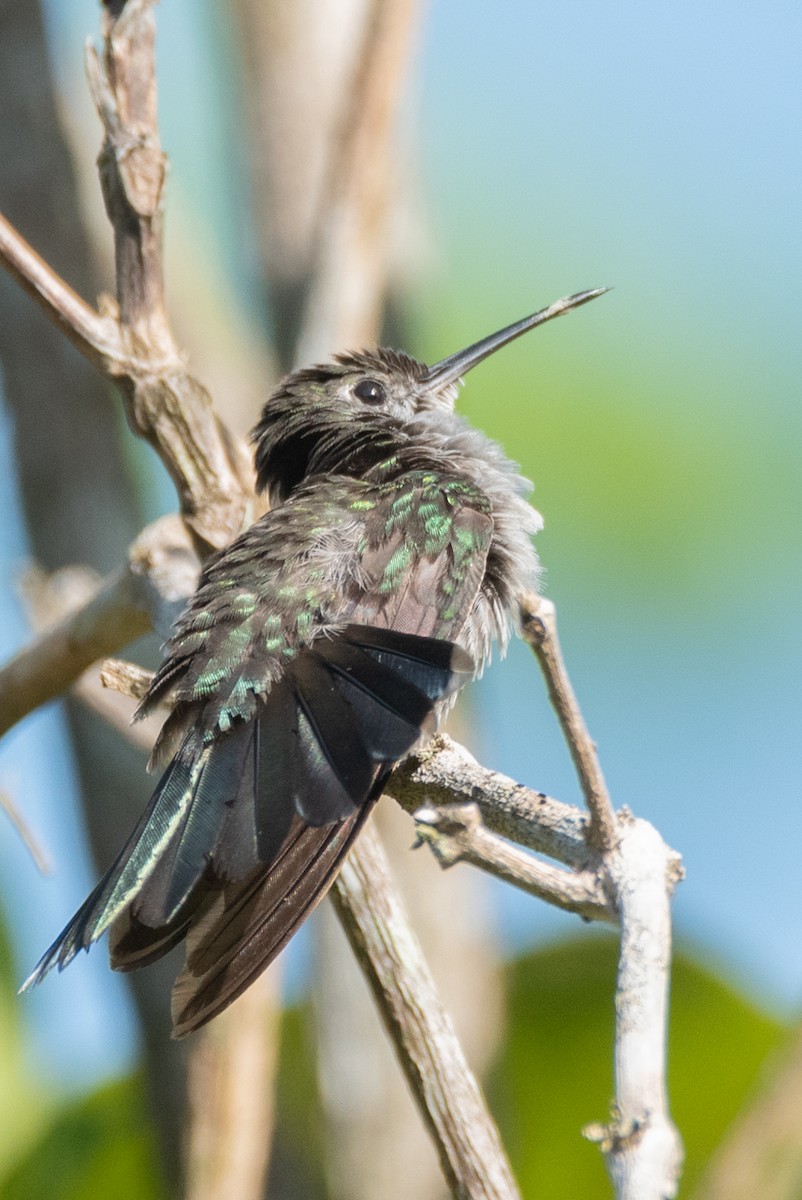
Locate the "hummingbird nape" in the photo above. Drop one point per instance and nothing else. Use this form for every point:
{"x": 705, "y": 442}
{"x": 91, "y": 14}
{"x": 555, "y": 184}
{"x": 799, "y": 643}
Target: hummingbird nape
{"x": 320, "y": 648}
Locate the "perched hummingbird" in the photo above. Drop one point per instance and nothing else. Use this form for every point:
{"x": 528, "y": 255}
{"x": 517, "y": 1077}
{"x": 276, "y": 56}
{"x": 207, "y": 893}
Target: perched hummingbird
{"x": 320, "y": 647}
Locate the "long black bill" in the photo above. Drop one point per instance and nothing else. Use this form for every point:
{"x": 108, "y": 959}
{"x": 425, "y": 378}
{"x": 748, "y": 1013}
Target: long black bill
{"x": 450, "y": 369}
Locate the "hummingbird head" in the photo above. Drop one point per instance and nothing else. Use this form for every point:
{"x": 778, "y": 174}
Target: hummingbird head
{"x": 348, "y": 413}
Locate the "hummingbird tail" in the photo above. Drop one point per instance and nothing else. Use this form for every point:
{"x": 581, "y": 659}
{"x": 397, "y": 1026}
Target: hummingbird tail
{"x": 248, "y": 826}
{"x": 364, "y": 698}
{"x": 243, "y": 926}
{"x": 123, "y": 880}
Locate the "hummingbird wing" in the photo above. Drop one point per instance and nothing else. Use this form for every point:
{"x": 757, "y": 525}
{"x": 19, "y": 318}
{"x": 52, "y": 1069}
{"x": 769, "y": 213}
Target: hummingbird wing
{"x": 425, "y": 555}
{"x": 273, "y": 862}
{"x": 287, "y": 721}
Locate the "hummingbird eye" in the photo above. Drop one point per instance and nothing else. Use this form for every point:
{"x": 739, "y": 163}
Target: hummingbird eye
{"x": 370, "y": 391}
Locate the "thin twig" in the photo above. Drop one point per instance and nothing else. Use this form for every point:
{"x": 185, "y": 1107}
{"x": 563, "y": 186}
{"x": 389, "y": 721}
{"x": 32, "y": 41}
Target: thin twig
{"x": 443, "y": 1085}
{"x": 42, "y": 858}
{"x": 444, "y": 773}
{"x": 126, "y": 678}
{"x": 164, "y": 403}
{"x": 456, "y": 833}
{"x": 96, "y": 336}
{"x": 539, "y": 624}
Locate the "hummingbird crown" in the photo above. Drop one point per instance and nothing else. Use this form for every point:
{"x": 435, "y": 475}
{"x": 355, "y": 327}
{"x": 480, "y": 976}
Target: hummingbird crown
{"x": 342, "y": 416}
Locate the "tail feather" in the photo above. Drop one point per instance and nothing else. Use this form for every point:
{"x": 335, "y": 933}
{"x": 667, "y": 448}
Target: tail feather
{"x": 239, "y": 935}
{"x": 133, "y": 945}
{"x": 390, "y": 712}
{"x": 154, "y": 833}
{"x": 185, "y": 858}
{"x": 228, "y": 908}
{"x": 130, "y": 869}
{"x": 332, "y": 728}
{"x": 248, "y": 827}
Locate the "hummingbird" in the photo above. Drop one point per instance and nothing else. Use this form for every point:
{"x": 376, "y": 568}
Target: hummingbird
{"x": 321, "y": 647}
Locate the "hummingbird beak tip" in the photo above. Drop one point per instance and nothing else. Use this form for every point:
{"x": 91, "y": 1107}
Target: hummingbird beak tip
{"x": 568, "y": 303}
{"x": 451, "y": 369}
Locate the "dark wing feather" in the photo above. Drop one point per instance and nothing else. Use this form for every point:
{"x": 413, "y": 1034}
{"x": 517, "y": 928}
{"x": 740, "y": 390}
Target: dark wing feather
{"x": 352, "y": 695}
{"x": 435, "y": 667}
{"x": 247, "y": 924}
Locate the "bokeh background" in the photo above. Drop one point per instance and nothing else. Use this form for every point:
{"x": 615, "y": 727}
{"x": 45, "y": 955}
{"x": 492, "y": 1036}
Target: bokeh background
{"x": 547, "y": 148}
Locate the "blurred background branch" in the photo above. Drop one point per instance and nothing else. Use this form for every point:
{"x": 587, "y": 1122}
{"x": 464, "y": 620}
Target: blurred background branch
{"x": 761, "y": 1154}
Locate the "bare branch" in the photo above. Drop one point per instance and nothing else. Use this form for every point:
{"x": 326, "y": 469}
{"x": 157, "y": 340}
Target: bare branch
{"x": 117, "y": 710}
{"x": 51, "y": 598}
{"x": 539, "y": 623}
{"x": 132, "y": 172}
{"x": 447, "y": 1094}
{"x": 126, "y": 678}
{"x": 345, "y": 302}
{"x": 164, "y": 403}
{"x": 43, "y": 860}
{"x": 632, "y": 882}
{"x": 46, "y": 668}
{"x": 231, "y": 1064}
{"x": 164, "y": 562}
{"x": 642, "y": 1148}
{"x": 444, "y": 772}
{"x": 231, "y": 1070}
{"x": 147, "y": 593}
{"x": 291, "y": 128}
{"x": 97, "y": 337}
{"x": 456, "y": 833}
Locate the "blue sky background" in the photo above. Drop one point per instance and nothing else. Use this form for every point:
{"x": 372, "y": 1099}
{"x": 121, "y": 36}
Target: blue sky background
{"x": 655, "y": 148}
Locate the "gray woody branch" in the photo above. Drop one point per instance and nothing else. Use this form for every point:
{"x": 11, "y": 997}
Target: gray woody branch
{"x": 629, "y": 884}
{"x": 147, "y": 593}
